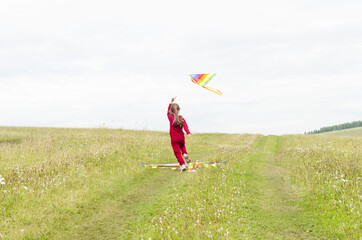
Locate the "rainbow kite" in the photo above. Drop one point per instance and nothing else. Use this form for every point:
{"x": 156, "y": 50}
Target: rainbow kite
{"x": 203, "y": 79}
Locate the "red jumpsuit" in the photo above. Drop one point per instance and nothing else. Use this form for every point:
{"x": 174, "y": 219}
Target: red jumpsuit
{"x": 177, "y": 137}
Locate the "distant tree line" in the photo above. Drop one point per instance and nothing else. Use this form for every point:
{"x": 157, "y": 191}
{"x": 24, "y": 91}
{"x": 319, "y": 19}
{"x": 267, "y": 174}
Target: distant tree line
{"x": 337, "y": 127}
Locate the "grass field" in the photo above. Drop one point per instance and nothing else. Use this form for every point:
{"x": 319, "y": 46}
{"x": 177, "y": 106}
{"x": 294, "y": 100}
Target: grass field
{"x": 353, "y": 132}
{"x": 87, "y": 184}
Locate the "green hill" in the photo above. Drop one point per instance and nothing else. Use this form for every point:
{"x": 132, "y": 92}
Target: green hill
{"x": 88, "y": 184}
{"x": 338, "y": 127}
{"x": 353, "y": 132}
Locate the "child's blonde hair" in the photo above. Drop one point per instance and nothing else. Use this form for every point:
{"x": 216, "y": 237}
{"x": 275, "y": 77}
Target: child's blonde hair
{"x": 177, "y": 120}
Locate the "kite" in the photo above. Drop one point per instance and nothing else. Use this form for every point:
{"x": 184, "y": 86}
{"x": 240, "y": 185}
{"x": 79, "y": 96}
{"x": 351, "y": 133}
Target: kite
{"x": 191, "y": 167}
{"x": 203, "y": 79}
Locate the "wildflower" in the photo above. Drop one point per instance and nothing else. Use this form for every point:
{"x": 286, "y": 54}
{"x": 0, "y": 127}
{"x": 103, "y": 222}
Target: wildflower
{"x": 2, "y": 180}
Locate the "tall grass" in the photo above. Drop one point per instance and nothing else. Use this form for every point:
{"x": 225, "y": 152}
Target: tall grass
{"x": 47, "y": 174}
{"x": 330, "y": 171}
{"x": 87, "y": 184}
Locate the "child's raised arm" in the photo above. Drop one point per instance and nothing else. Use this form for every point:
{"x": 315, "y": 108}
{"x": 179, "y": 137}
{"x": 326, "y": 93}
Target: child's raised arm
{"x": 169, "y": 106}
{"x": 173, "y": 99}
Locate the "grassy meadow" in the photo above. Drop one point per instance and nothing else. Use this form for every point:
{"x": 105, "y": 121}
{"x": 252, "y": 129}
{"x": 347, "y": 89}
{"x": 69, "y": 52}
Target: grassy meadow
{"x": 87, "y": 184}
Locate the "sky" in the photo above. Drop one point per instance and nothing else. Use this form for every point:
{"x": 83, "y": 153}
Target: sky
{"x": 284, "y": 67}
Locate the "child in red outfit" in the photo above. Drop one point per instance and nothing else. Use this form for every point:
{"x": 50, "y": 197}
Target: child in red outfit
{"x": 177, "y": 123}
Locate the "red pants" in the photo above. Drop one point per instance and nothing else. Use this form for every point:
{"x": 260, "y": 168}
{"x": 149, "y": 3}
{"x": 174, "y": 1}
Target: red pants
{"x": 178, "y": 146}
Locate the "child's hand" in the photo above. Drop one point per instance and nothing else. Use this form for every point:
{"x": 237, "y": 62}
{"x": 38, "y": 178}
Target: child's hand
{"x": 173, "y": 99}
{"x": 189, "y": 135}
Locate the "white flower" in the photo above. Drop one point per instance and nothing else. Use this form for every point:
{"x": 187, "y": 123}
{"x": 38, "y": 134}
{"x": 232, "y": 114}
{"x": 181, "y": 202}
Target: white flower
{"x": 2, "y": 180}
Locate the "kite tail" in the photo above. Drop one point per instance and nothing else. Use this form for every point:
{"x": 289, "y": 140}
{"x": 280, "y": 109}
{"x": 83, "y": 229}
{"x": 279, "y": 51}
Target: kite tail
{"x": 213, "y": 90}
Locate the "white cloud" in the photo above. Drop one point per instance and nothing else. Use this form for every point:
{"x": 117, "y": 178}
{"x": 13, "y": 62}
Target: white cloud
{"x": 284, "y": 66}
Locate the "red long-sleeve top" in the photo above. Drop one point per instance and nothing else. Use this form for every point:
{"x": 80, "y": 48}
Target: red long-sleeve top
{"x": 174, "y": 129}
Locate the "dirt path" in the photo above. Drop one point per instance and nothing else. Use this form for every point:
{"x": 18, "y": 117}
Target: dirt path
{"x": 274, "y": 212}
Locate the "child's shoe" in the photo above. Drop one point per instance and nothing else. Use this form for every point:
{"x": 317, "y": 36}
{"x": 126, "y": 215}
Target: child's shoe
{"x": 183, "y": 168}
{"x": 187, "y": 158}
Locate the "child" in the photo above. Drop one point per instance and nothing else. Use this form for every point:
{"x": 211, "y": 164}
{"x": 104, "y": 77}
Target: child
{"x": 177, "y": 123}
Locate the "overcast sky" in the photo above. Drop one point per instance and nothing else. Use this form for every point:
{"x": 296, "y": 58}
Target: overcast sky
{"x": 284, "y": 66}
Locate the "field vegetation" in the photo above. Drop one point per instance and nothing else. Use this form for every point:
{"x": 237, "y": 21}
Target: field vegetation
{"x": 87, "y": 184}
